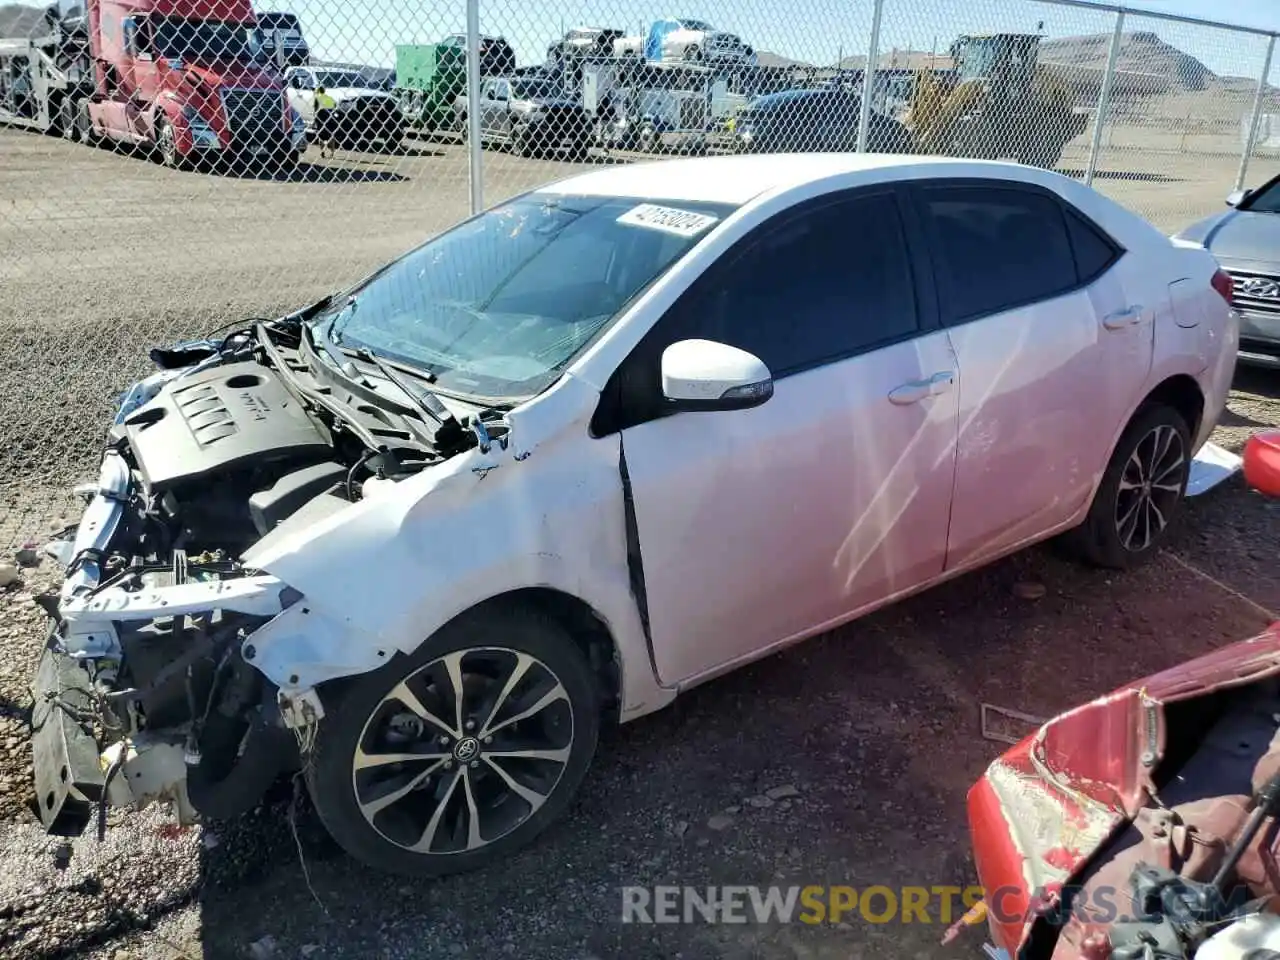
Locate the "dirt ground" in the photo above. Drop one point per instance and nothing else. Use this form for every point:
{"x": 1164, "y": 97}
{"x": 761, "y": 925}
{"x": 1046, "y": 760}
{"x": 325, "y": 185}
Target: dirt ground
{"x": 874, "y": 727}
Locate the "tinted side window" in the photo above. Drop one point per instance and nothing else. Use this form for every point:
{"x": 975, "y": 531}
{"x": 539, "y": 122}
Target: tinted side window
{"x": 997, "y": 249}
{"x": 823, "y": 284}
{"x": 1094, "y": 252}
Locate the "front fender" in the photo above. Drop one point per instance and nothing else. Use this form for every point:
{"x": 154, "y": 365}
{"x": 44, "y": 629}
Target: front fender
{"x": 383, "y": 575}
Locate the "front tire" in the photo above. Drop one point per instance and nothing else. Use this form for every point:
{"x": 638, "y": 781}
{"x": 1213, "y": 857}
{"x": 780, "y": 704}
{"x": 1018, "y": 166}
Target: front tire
{"x": 1141, "y": 493}
{"x": 492, "y": 723}
{"x": 85, "y": 132}
{"x": 167, "y": 146}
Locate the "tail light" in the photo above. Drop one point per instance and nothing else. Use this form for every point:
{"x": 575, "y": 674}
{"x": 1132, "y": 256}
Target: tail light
{"x": 1222, "y": 283}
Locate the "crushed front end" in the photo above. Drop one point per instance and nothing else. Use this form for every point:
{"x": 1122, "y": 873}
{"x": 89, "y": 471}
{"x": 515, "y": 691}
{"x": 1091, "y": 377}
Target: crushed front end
{"x": 170, "y": 671}
{"x": 142, "y": 692}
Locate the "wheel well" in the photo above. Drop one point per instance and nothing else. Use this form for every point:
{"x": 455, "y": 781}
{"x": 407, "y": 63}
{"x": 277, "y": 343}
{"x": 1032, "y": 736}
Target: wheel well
{"x": 1183, "y": 394}
{"x": 588, "y": 630}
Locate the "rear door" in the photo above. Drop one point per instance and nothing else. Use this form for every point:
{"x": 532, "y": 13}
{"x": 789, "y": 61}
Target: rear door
{"x": 1053, "y": 343}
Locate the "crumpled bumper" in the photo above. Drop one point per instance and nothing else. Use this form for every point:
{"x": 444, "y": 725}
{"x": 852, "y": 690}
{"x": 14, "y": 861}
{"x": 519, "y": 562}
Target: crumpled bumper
{"x": 69, "y": 779}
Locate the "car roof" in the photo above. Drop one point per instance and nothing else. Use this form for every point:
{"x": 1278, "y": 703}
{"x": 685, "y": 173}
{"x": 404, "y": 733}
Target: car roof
{"x": 739, "y": 179}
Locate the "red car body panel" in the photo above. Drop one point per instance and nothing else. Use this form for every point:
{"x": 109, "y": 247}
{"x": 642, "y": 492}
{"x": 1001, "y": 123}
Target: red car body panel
{"x": 1048, "y": 805}
{"x": 1262, "y": 462}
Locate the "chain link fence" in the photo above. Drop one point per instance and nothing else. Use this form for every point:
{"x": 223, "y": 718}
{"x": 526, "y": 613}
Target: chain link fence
{"x": 202, "y": 161}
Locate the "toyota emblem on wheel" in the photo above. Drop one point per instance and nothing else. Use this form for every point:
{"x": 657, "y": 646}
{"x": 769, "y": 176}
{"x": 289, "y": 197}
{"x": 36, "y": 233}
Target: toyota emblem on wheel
{"x": 1261, "y": 287}
{"x": 467, "y": 750}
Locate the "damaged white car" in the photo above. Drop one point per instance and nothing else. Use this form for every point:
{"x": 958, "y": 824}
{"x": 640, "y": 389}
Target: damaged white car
{"x": 587, "y": 449}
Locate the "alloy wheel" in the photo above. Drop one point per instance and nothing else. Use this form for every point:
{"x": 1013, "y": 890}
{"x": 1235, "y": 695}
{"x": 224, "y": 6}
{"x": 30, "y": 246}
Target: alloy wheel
{"x": 1151, "y": 485}
{"x": 168, "y": 146}
{"x": 463, "y": 750}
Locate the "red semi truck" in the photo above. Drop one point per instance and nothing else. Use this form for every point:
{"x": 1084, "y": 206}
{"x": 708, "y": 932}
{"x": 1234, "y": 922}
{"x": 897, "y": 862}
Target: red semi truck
{"x": 185, "y": 78}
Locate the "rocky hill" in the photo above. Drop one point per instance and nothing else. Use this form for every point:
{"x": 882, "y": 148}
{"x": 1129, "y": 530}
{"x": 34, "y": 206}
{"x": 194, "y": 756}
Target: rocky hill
{"x": 1141, "y": 52}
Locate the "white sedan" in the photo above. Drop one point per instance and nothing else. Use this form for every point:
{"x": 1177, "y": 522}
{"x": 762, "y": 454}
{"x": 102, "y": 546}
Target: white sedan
{"x": 599, "y": 444}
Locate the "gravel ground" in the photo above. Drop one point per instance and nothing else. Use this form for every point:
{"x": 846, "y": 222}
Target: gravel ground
{"x": 867, "y": 737}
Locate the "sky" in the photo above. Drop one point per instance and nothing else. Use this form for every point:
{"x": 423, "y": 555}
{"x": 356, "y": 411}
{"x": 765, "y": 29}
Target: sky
{"x": 816, "y": 31}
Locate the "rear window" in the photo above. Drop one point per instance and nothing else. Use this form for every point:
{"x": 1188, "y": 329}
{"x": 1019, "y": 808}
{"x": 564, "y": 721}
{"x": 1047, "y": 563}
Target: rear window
{"x": 997, "y": 248}
{"x": 1094, "y": 251}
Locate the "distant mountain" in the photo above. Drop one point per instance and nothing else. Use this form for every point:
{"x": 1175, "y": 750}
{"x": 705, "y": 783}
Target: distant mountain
{"x": 901, "y": 60}
{"x": 19, "y": 20}
{"x": 1141, "y": 52}
{"x": 767, "y": 58}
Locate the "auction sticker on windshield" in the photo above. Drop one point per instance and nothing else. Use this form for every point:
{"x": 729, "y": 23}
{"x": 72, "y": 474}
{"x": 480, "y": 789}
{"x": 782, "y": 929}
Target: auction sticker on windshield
{"x": 682, "y": 223}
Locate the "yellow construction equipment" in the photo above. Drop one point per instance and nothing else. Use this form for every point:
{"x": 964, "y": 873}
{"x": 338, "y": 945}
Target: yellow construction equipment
{"x": 997, "y": 104}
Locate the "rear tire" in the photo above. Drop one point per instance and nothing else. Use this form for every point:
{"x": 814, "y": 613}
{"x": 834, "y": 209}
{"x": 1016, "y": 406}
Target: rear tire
{"x": 521, "y": 145}
{"x": 84, "y": 123}
{"x": 67, "y": 118}
{"x": 287, "y": 164}
{"x": 1141, "y": 494}
{"x": 474, "y": 792}
{"x": 647, "y": 139}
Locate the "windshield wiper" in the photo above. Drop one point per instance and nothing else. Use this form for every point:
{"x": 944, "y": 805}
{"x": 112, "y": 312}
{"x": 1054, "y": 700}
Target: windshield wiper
{"x": 322, "y": 343}
{"x": 423, "y": 400}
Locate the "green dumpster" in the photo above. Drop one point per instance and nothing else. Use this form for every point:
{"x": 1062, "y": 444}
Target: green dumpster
{"x": 429, "y": 77}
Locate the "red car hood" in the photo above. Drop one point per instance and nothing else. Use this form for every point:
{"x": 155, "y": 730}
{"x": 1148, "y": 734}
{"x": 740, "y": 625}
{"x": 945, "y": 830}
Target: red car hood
{"x": 1048, "y": 804}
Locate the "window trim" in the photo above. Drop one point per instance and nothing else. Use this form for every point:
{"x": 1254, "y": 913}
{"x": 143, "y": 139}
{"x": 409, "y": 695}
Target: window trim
{"x": 919, "y": 190}
{"x": 923, "y": 290}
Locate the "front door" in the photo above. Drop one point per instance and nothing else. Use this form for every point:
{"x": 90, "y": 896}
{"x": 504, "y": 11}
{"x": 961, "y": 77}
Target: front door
{"x": 760, "y": 525}
{"x": 1053, "y": 336}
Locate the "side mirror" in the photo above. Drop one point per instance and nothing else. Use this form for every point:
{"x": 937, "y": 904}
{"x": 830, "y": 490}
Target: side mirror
{"x": 1236, "y": 197}
{"x": 706, "y": 375}
{"x": 1262, "y": 462}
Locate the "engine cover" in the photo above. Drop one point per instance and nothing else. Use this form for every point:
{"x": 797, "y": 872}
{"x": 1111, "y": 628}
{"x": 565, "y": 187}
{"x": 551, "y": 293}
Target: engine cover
{"x": 226, "y": 418}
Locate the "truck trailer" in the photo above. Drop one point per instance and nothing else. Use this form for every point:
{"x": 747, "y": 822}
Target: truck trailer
{"x": 182, "y": 78}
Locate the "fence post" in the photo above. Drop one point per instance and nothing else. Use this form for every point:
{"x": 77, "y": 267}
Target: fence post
{"x": 1252, "y": 139}
{"x": 869, "y": 76}
{"x": 1104, "y": 100}
{"x": 475, "y": 170}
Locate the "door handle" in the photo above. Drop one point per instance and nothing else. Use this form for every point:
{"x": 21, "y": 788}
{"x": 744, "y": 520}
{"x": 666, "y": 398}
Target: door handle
{"x": 917, "y": 390}
{"x": 1123, "y": 318}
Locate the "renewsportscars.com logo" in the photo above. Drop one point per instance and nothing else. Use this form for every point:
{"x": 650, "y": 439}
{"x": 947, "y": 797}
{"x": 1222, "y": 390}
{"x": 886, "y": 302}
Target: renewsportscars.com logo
{"x": 816, "y": 904}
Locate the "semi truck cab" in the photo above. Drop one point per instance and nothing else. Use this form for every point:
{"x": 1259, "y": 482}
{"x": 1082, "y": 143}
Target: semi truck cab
{"x": 186, "y": 77}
